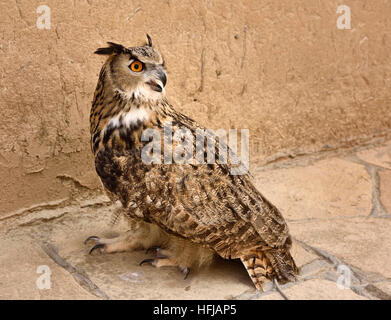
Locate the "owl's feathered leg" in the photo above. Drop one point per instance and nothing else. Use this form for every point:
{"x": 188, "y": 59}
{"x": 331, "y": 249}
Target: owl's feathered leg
{"x": 182, "y": 254}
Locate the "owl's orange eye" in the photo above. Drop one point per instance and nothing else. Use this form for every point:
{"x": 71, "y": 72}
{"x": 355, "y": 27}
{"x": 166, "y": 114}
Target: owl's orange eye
{"x": 136, "y": 66}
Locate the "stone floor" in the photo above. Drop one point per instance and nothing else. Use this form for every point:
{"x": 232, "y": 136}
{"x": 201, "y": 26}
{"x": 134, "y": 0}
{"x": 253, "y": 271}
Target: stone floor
{"x": 337, "y": 205}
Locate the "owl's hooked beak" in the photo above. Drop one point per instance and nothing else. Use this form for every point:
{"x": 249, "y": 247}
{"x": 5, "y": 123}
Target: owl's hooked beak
{"x": 159, "y": 82}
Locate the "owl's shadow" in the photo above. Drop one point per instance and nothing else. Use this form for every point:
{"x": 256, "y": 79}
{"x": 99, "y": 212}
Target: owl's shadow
{"x": 232, "y": 269}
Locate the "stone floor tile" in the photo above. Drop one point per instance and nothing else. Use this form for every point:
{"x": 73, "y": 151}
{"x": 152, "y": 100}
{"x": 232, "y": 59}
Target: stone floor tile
{"x": 380, "y": 156}
{"x": 316, "y": 289}
{"x": 18, "y": 277}
{"x": 385, "y": 189}
{"x": 361, "y": 242}
{"x": 384, "y": 286}
{"x": 301, "y": 256}
{"x": 328, "y": 188}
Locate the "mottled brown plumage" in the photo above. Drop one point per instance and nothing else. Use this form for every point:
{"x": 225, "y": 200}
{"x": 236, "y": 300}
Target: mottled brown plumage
{"x": 192, "y": 211}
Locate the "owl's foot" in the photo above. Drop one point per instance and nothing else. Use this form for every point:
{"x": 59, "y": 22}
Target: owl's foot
{"x": 118, "y": 244}
{"x": 162, "y": 260}
{"x": 186, "y": 272}
{"x": 98, "y": 245}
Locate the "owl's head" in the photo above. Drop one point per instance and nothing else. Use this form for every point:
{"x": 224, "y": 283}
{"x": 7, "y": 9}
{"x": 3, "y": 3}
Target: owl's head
{"x": 135, "y": 72}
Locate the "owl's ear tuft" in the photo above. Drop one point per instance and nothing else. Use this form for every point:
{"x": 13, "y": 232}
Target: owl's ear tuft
{"x": 149, "y": 40}
{"x": 113, "y": 48}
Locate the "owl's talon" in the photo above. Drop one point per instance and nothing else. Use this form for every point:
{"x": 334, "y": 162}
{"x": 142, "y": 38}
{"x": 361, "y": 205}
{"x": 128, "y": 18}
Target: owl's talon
{"x": 95, "y": 238}
{"x": 186, "y": 272}
{"x": 100, "y": 246}
{"x": 147, "y": 261}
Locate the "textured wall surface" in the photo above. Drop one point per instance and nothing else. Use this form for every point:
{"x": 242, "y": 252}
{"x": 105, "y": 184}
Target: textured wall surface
{"x": 280, "y": 68}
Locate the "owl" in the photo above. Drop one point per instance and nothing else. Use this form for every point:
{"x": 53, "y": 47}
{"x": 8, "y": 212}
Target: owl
{"x": 188, "y": 212}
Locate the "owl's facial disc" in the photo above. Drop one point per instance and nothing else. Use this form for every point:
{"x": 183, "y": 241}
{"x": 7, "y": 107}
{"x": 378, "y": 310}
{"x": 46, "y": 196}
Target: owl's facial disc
{"x": 138, "y": 73}
{"x": 148, "y": 74}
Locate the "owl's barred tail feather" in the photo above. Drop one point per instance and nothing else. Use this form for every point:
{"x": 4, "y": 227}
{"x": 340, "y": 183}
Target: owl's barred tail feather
{"x": 269, "y": 264}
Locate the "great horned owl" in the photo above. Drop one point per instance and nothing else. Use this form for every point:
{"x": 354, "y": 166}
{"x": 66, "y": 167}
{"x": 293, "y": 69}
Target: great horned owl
{"x": 187, "y": 212}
